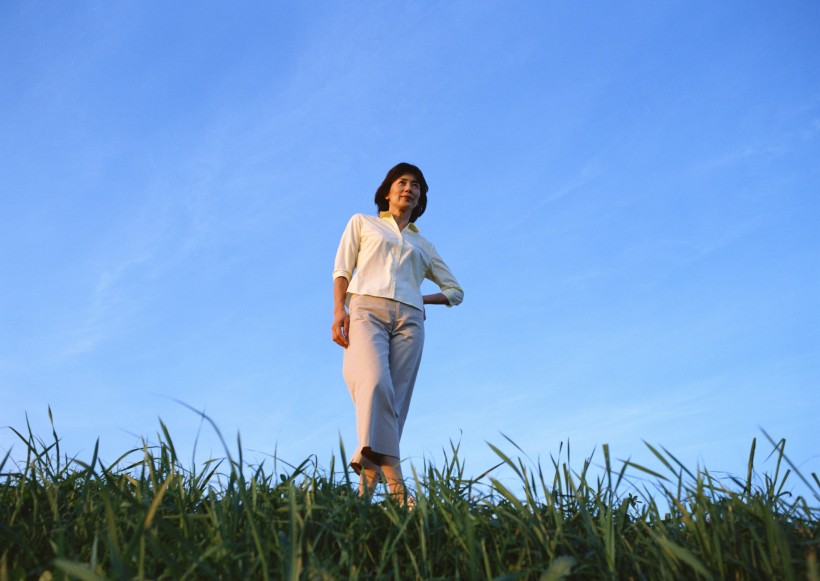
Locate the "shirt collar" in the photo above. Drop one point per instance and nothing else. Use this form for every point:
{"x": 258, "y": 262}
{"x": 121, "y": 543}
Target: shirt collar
{"x": 387, "y": 215}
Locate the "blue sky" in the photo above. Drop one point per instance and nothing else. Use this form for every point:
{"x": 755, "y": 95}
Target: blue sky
{"x": 627, "y": 193}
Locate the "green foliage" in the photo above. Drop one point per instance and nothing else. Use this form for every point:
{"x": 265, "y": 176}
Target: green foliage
{"x": 147, "y": 517}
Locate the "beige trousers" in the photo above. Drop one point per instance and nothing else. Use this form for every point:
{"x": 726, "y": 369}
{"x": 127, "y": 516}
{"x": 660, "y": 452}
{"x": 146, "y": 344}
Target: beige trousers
{"x": 380, "y": 368}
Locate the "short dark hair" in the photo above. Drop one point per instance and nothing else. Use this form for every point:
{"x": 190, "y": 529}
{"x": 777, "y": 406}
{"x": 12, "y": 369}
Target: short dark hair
{"x": 394, "y": 174}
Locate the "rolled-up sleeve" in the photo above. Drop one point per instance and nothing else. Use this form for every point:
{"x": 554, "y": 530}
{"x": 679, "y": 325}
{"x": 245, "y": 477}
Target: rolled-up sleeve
{"x": 440, "y": 274}
{"x": 348, "y": 251}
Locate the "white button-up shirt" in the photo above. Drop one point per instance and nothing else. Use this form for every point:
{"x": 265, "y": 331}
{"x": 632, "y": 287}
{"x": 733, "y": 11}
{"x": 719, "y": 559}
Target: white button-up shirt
{"x": 382, "y": 261}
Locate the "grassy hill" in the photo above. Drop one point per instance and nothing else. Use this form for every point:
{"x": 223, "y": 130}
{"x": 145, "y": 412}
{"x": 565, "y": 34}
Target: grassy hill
{"x": 148, "y": 517}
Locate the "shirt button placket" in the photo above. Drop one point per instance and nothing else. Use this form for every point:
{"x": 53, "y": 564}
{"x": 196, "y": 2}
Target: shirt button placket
{"x": 395, "y": 256}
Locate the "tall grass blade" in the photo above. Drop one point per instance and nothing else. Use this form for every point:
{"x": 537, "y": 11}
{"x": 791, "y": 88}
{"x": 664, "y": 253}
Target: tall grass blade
{"x": 684, "y": 555}
{"x": 78, "y": 570}
{"x": 814, "y": 491}
{"x": 559, "y": 569}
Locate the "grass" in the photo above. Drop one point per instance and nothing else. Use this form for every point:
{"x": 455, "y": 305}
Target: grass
{"x": 146, "y": 516}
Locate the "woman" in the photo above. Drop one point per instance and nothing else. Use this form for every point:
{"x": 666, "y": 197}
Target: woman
{"x": 378, "y": 272}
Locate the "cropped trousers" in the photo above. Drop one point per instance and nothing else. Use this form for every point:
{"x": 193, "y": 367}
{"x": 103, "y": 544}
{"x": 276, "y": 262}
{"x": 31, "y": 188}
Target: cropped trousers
{"x": 380, "y": 367}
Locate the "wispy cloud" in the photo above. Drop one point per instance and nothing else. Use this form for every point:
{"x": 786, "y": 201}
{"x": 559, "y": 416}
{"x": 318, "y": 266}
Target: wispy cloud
{"x": 110, "y": 306}
{"x": 798, "y": 126}
{"x": 590, "y": 172}
{"x": 180, "y": 215}
{"x": 735, "y": 156}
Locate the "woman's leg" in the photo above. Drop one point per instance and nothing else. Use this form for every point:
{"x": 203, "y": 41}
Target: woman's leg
{"x": 390, "y": 468}
{"x": 367, "y": 374}
{"x": 380, "y": 368}
{"x": 406, "y": 346}
{"x": 369, "y": 477}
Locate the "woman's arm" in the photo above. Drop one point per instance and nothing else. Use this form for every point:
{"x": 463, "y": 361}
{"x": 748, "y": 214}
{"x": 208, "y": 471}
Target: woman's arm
{"x": 451, "y": 293}
{"x": 436, "y": 299}
{"x": 341, "y": 320}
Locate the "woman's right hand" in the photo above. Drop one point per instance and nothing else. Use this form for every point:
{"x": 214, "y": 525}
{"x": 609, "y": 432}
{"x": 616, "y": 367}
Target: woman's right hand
{"x": 341, "y": 320}
{"x": 341, "y": 328}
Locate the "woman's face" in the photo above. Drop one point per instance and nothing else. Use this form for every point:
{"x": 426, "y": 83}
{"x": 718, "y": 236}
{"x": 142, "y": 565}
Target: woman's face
{"x": 404, "y": 194}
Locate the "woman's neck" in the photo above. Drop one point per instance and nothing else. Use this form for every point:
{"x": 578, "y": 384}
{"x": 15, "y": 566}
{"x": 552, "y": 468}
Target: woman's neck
{"x": 402, "y": 218}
